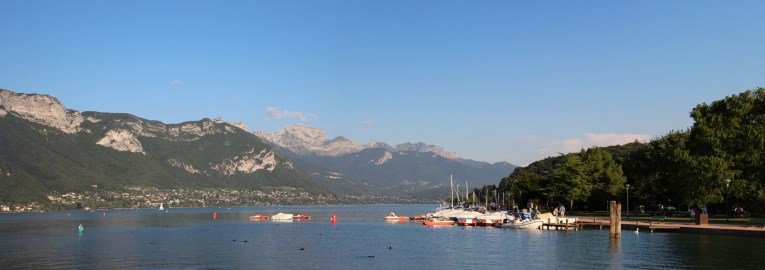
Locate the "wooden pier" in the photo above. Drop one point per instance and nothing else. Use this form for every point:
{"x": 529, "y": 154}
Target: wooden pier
{"x": 550, "y": 225}
{"x": 655, "y": 226}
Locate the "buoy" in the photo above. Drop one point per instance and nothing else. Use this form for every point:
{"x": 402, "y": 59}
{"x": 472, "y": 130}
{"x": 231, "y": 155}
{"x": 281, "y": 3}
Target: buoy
{"x": 103, "y": 214}
{"x": 334, "y": 219}
{"x": 215, "y": 215}
{"x": 68, "y": 214}
{"x": 80, "y": 229}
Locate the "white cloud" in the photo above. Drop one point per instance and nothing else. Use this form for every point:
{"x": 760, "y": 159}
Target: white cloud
{"x": 175, "y": 82}
{"x": 614, "y": 138}
{"x": 368, "y": 122}
{"x": 551, "y": 147}
{"x": 277, "y": 114}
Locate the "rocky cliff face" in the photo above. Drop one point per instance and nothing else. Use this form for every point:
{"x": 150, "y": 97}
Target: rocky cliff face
{"x": 186, "y": 131}
{"x": 304, "y": 140}
{"x": 121, "y": 140}
{"x": 250, "y": 162}
{"x": 41, "y": 109}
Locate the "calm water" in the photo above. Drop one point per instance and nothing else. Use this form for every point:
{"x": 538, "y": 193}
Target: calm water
{"x": 189, "y": 238}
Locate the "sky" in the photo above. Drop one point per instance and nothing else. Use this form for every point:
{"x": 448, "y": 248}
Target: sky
{"x": 512, "y": 81}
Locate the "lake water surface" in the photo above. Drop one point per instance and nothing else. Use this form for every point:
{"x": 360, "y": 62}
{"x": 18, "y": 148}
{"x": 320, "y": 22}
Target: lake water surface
{"x": 190, "y": 239}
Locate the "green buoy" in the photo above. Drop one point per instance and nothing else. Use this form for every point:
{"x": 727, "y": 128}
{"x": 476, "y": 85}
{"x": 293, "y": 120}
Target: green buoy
{"x": 80, "y": 229}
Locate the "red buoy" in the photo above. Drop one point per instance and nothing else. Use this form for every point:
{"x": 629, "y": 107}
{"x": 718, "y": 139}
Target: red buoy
{"x": 215, "y": 215}
{"x": 334, "y": 219}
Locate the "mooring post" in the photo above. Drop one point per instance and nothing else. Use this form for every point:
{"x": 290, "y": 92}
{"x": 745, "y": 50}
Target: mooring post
{"x": 616, "y": 219}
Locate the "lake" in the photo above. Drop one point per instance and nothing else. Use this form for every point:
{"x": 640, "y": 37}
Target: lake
{"x": 190, "y": 238}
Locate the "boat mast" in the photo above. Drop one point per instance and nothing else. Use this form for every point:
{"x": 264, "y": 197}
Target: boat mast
{"x": 466, "y": 193}
{"x": 451, "y": 191}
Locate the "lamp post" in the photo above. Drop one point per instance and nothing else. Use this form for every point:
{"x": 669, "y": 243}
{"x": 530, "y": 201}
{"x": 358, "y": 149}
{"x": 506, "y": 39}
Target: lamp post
{"x": 727, "y": 194}
{"x": 628, "y": 201}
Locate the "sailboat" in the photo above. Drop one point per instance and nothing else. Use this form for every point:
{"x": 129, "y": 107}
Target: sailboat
{"x": 161, "y": 207}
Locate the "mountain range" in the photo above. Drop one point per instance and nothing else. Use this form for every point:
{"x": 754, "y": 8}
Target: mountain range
{"x": 417, "y": 169}
{"x": 46, "y": 147}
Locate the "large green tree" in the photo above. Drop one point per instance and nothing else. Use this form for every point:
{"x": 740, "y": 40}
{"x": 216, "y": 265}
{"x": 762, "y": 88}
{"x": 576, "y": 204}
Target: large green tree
{"x": 729, "y": 135}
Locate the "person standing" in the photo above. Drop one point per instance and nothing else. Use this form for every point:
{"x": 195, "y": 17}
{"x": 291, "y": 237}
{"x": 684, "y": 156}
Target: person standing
{"x": 562, "y": 211}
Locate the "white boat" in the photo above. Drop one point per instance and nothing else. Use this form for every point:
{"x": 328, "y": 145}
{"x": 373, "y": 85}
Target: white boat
{"x": 161, "y": 207}
{"x": 282, "y": 217}
{"x": 525, "y": 224}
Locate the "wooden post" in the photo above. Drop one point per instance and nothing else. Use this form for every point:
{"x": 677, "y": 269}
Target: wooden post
{"x": 616, "y": 219}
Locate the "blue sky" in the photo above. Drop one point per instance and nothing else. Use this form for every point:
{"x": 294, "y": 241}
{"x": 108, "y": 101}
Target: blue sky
{"x": 492, "y": 80}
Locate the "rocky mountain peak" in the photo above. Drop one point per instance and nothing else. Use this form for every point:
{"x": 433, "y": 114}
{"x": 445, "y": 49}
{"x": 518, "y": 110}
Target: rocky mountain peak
{"x": 304, "y": 140}
{"x": 310, "y": 140}
{"x": 41, "y": 109}
{"x": 339, "y": 139}
{"x": 423, "y": 147}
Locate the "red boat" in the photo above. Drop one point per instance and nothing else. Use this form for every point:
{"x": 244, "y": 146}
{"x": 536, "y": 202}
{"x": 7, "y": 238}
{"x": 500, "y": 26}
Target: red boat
{"x": 301, "y": 217}
{"x": 467, "y": 221}
{"x": 258, "y": 218}
{"x": 393, "y": 217}
{"x": 418, "y": 218}
{"x": 435, "y": 222}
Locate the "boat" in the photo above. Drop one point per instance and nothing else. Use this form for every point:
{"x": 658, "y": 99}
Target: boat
{"x": 301, "y": 217}
{"x": 492, "y": 219}
{"x": 161, "y": 207}
{"x": 393, "y": 217}
{"x": 418, "y": 218}
{"x": 258, "y": 218}
{"x": 467, "y": 221}
{"x": 524, "y": 224}
{"x": 438, "y": 222}
{"x": 282, "y": 217}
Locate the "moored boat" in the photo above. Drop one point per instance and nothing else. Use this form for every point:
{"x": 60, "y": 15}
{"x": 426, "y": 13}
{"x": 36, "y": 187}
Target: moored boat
{"x": 282, "y": 217}
{"x": 301, "y": 217}
{"x": 393, "y": 217}
{"x": 438, "y": 222}
{"x": 467, "y": 221}
{"x": 258, "y": 218}
{"x": 525, "y": 224}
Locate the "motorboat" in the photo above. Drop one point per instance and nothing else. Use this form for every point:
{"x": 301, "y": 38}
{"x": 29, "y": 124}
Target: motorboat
{"x": 438, "y": 222}
{"x": 282, "y": 217}
{"x": 467, "y": 221}
{"x": 258, "y": 218}
{"x": 522, "y": 224}
{"x": 301, "y": 217}
{"x": 492, "y": 219}
{"x": 393, "y": 217}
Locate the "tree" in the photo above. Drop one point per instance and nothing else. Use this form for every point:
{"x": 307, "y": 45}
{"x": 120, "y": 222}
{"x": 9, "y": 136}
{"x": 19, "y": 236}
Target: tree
{"x": 605, "y": 174}
{"x": 570, "y": 180}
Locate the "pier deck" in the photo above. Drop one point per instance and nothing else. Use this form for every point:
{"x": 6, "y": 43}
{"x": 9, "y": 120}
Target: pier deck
{"x": 651, "y": 226}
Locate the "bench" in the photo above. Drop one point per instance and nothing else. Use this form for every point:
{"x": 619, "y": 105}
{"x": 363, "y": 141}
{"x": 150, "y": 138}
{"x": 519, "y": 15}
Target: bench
{"x": 755, "y": 221}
